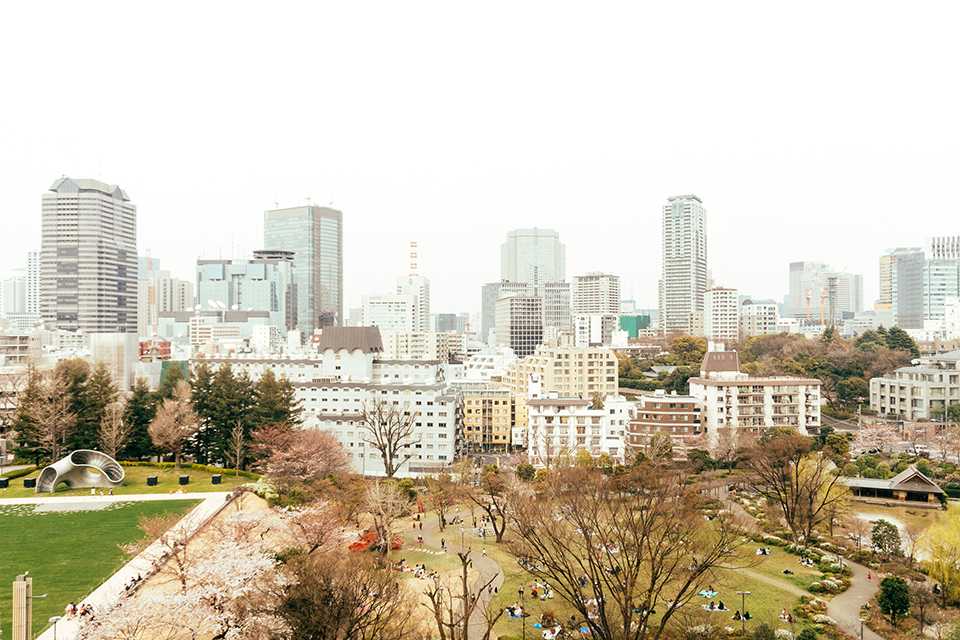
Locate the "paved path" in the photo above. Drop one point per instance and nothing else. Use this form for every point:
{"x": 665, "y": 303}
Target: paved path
{"x": 109, "y": 593}
{"x": 845, "y": 608}
{"x": 485, "y": 565}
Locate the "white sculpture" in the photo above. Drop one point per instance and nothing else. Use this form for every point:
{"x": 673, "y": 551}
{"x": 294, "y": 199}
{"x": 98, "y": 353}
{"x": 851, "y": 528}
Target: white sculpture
{"x": 79, "y": 470}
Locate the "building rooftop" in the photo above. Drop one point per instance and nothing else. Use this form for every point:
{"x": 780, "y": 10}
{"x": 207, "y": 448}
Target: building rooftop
{"x": 721, "y": 361}
{"x": 65, "y": 185}
{"x": 367, "y": 339}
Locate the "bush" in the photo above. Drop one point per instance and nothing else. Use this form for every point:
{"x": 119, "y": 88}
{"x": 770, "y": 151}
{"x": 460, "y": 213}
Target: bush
{"x": 819, "y": 618}
{"x": 807, "y": 634}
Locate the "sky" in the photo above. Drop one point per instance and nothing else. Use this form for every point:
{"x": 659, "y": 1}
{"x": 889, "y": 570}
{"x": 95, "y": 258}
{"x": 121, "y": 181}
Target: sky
{"x": 815, "y": 131}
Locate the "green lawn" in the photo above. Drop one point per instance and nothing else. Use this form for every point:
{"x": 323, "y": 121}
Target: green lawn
{"x": 773, "y": 565}
{"x": 135, "y": 481}
{"x": 68, "y": 554}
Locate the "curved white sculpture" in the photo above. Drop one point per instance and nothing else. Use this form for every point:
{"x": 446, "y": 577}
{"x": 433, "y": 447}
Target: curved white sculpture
{"x": 75, "y": 471}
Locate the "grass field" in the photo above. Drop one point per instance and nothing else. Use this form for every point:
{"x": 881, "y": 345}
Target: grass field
{"x": 773, "y": 565}
{"x": 68, "y": 554}
{"x": 135, "y": 481}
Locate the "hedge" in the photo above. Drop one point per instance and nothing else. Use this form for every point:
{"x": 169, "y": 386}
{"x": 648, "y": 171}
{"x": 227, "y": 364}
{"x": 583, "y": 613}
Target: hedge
{"x": 13, "y": 475}
{"x": 190, "y": 465}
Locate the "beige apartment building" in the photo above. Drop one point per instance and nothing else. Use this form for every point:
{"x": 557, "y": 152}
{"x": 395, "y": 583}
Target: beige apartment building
{"x": 488, "y": 417}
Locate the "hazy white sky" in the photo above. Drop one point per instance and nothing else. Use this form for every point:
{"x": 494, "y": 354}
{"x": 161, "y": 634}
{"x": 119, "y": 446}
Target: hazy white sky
{"x": 812, "y": 131}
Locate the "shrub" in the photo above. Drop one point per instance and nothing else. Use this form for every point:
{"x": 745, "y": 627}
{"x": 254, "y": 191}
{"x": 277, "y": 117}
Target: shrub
{"x": 807, "y": 634}
{"x": 13, "y": 475}
{"x": 783, "y": 634}
{"x": 815, "y": 587}
{"x": 819, "y": 618}
{"x": 190, "y": 465}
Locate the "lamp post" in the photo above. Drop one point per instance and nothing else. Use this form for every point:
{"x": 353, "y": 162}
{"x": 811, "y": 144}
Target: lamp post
{"x": 523, "y": 617}
{"x": 55, "y": 620}
{"x": 862, "y": 620}
{"x": 743, "y": 607}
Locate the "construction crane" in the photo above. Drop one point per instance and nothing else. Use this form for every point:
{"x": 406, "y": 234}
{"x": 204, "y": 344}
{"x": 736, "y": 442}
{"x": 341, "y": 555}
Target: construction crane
{"x": 153, "y": 348}
{"x": 413, "y": 258}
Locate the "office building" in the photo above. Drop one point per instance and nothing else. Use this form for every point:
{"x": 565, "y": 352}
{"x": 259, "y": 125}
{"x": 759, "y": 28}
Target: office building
{"x": 490, "y": 293}
{"x": 721, "y": 315}
{"x": 822, "y": 295}
{"x": 88, "y": 258}
{"x": 520, "y": 324}
{"x": 419, "y": 288}
{"x": 33, "y": 282}
{"x": 13, "y": 294}
{"x": 444, "y": 322}
{"x": 535, "y": 256}
{"x": 262, "y": 284}
{"x": 684, "y": 272}
{"x": 169, "y": 294}
{"x": 888, "y": 263}
{"x": 556, "y": 306}
{"x": 315, "y": 235}
{"x": 390, "y": 311}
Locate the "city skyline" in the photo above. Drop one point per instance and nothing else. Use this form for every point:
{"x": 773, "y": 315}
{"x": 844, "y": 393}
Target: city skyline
{"x": 799, "y": 155}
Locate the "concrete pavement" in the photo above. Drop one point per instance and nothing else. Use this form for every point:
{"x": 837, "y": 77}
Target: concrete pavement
{"x": 845, "y": 608}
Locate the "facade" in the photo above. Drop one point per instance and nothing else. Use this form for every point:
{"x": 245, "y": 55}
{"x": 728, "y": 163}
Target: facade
{"x": 721, "y": 315}
{"x": 33, "y": 282}
{"x": 88, "y": 258}
{"x": 556, "y": 305}
{"x": 684, "y": 272}
{"x": 419, "y": 287}
{"x": 940, "y": 284}
{"x": 888, "y": 263}
{"x": 907, "y": 290}
{"x": 170, "y": 294}
{"x": 679, "y": 417}
{"x": 560, "y": 427}
{"x": 13, "y": 294}
{"x": 390, "y": 311}
{"x": 918, "y": 392}
{"x": 315, "y": 235}
{"x": 20, "y": 349}
{"x": 758, "y": 318}
{"x": 566, "y": 371}
{"x": 519, "y": 324}
{"x": 350, "y": 372}
{"x": 413, "y": 345}
{"x": 490, "y": 293}
{"x": 535, "y": 256}
{"x": 444, "y": 322}
{"x": 734, "y": 400}
{"x": 259, "y": 284}
{"x": 596, "y": 294}
{"x": 488, "y": 417}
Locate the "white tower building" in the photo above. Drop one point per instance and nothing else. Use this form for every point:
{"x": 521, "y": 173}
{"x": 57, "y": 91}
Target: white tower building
{"x": 684, "y": 274}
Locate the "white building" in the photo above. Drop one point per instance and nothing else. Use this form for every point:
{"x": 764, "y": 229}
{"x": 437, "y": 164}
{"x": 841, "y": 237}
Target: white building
{"x": 390, "y": 311}
{"x": 559, "y": 427}
{"x": 33, "y": 282}
{"x": 170, "y": 294}
{"x": 595, "y": 330}
{"x": 721, "y": 317}
{"x": 596, "y": 293}
{"x": 684, "y": 272}
{"x": 519, "y": 324}
{"x": 758, "y": 318}
{"x": 409, "y": 345}
{"x": 350, "y": 372}
{"x": 266, "y": 339}
{"x": 419, "y": 287}
{"x": 485, "y": 365}
{"x": 918, "y": 392}
{"x": 733, "y": 400}
{"x": 534, "y": 256}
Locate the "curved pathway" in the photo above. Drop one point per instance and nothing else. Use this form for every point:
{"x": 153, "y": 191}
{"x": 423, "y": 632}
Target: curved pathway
{"x": 486, "y": 568}
{"x": 845, "y": 608}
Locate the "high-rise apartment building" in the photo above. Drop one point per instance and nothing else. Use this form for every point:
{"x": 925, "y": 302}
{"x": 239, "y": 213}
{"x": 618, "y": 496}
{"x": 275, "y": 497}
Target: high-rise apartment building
{"x": 315, "y": 235}
{"x": 684, "y": 274}
{"x": 721, "y": 315}
{"x": 596, "y": 294}
{"x": 419, "y": 287}
{"x": 33, "y": 282}
{"x": 88, "y": 257}
{"x": 758, "y": 318}
{"x": 535, "y": 256}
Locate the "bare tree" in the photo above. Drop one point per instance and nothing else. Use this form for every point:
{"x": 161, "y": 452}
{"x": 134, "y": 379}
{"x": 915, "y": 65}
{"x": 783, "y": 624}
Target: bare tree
{"x": 236, "y": 447}
{"x": 454, "y": 605}
{"x": 491, "y": 496}
{"x": 443, "y": 493}
{"x": 912, "y": 538}
{"x": 114, "y": 431}
{"x": 303, "y": 458}
{"x": 175, "y": 422}
{"x": 857, "y": 529}
{"x": 387, "y": 504}
{"x": 624, "y": 561}
{"x": 923, "y": 598}
{"x": 390, "y": 429}
{"x": 50, "y": 414}
{"x": 916, "y": 433}
{"x": 803, "y": 483}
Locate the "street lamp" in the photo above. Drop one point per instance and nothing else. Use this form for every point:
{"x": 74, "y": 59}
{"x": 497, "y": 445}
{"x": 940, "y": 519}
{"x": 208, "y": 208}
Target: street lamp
{"x": 523, "y": 617}
{"x": 862, "y": 620}
{"x": 743, "y": 607}
{"x": 55, "y": 620}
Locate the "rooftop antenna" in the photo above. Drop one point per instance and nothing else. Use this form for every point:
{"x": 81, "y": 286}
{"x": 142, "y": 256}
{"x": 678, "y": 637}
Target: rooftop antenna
{"x": 413, "y": 258}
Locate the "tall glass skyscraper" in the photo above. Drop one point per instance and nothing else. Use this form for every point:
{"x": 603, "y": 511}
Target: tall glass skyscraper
{"x": 315, "y": 235}
{"x": 88, "y": 258}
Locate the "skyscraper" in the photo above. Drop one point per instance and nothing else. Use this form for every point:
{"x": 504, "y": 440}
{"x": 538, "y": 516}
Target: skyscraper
{"x": 684, "y": 276}
{"x": 33, "y": 282}
{"x": 88, "y": 266}
{"x": 535, "y": 256}
{"x": 315, "y": 235}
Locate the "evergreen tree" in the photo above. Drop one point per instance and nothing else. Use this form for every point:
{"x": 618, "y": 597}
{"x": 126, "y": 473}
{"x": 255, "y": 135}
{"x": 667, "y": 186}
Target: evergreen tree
{"x": 276, "y": 401}
{"x": 897, "y": 338}
{"x": 172, "y": 373}
{"x": 97, "y": 391}
{"x": 220, "y": 402}
{"x": 894, "y": 598}
{"x": 202, "y": 385}
{"x": 141, "y": 409}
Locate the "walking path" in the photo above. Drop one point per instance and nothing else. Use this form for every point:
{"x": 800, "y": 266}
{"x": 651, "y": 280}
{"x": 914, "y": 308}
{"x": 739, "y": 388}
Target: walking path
{"x": 486, "y": 568}
{"x": 108, "y": 594}
{"x": 845, "y": 608}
